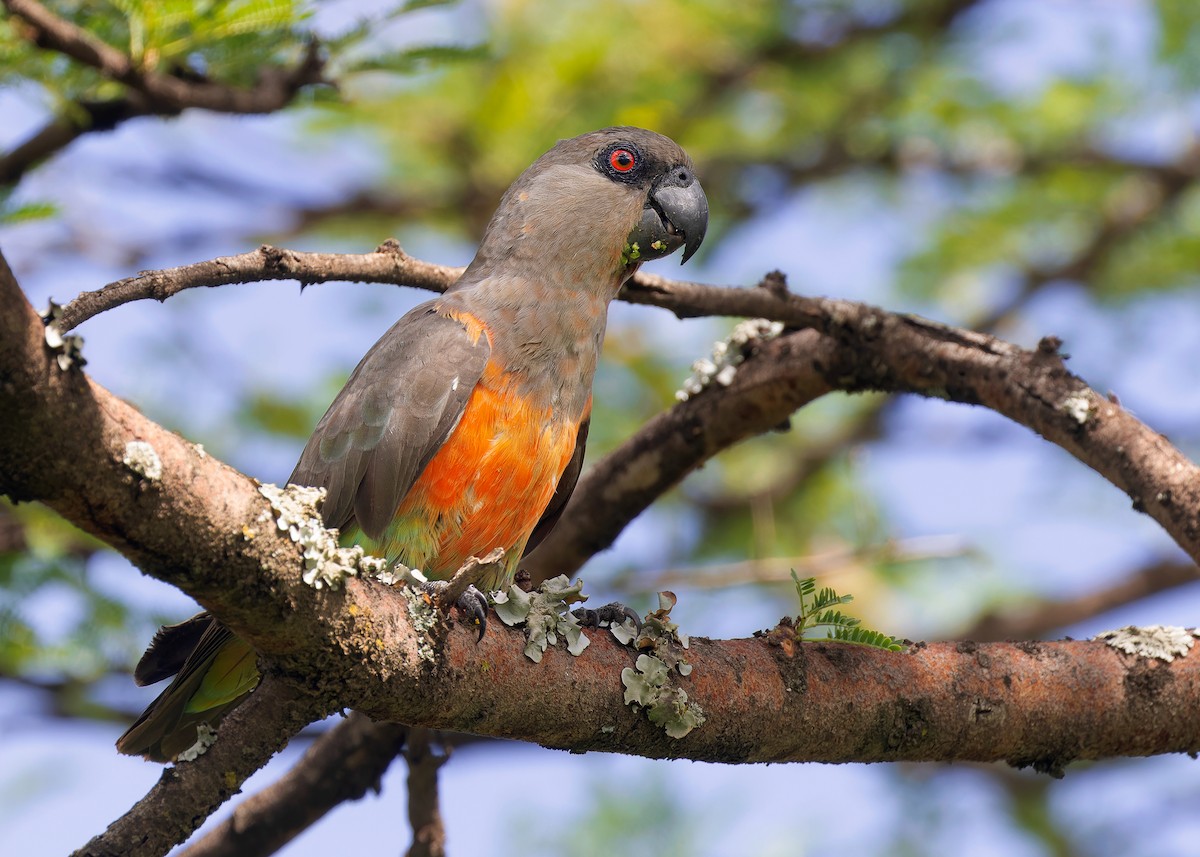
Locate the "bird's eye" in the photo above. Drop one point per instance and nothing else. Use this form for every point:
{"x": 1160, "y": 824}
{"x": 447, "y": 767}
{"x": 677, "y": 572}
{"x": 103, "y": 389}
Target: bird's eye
{"x": 622, "y": 160}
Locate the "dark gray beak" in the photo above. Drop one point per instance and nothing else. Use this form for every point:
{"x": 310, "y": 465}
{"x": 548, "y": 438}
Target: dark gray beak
{"x": 676, "y": 215}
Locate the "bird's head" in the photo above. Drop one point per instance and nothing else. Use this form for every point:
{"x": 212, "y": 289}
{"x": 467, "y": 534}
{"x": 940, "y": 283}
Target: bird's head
{"x": 600, "y": 203}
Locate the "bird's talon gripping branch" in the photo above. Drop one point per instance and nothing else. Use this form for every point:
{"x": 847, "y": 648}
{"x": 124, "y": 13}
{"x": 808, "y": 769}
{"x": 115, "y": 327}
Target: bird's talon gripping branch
{"x": 470, "y": 601}
{"x": 609, "y": 615}
{"x": 475, "y": 604}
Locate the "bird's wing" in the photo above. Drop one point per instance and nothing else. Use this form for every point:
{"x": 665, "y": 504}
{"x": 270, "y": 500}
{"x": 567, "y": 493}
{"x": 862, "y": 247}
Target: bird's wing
{"x": 562, "y": 492}
{"x": 170, "y": 648}
{"x": 399, "y": 406}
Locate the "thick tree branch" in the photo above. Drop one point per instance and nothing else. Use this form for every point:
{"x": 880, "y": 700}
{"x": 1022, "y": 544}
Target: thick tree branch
{"x": 201, "y": 527}
{"x": 341, "y": 765}
{"x": 188, "y": 793}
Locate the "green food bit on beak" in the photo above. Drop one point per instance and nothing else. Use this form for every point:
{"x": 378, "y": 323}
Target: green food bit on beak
{"x": 631, "y": 253}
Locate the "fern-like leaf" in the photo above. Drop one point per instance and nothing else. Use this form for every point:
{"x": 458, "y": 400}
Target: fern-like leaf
{"x": 816, "y": 612}
{"x": 866, "y": 637}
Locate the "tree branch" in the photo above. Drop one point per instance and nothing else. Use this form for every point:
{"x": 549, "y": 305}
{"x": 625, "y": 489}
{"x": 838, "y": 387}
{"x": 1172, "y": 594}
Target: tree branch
{"x": 424, "y": 812}
{"x": 340, "y": 765}
{"x": 199, "y": 526}
{"x": 148, "y": 93}
{"x": 767, "y": 388}
{"x": 390, "y": 264}
{"x": 868, "y": 349}
{"x": 60, "y": 131}
{"x": 167, "y": 94}
{"x": 188, "y": 793}
{"x": 387, "y": 264}
{"x": 1037, "y": 620}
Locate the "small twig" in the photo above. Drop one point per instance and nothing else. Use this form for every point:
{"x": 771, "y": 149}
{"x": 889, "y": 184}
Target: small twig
{"x": 1037, "y": 620}
{"x": 390, "y": 264}
{"x": 387, "y": 264}
{"x": 771, "y": 570}
{"x": 424, "y": 812}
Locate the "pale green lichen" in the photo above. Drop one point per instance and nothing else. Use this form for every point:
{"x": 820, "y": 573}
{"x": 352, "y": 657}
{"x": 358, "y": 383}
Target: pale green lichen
{"x": 649, "y": 684}
{"x": 1164, "y": 642}
{"x": 546, "y": 614}
{"x": 1078, "y": 406}
{"x": 67, "y": 348}
{"x": 205, "y": 737}
{"x": 326, "y": 563}
{"x": 398, "y": 572}
{"x": 662, "y": 636}
{"x": 424, "y": 618}
{"x": 141, "y": 458}
{"x": 625, "y": 631}
{"x": 726, "y": 355}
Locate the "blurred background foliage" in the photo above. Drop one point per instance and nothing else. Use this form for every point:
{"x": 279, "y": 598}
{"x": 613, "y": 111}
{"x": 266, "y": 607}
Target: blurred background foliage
{"x": 1021, "y": 167}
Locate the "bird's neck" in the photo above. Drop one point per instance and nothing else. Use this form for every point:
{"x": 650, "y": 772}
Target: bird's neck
{"x": 547, "y": 335}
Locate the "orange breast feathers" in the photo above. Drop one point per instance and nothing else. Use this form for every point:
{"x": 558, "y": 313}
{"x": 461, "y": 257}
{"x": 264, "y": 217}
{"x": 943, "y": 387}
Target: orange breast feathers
{"x": 488, "y": 485}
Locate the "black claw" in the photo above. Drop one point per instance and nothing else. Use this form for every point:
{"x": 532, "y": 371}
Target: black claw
{"x": 474, "y": 603}
{"x": 612, "y": 614}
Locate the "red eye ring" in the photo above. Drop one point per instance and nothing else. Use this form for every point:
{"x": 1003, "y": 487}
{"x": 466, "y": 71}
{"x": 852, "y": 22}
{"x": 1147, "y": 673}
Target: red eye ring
{"x": 622, "y": 160}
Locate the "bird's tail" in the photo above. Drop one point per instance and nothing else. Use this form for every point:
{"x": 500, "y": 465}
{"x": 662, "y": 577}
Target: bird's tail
{"x": 214, "y": 670}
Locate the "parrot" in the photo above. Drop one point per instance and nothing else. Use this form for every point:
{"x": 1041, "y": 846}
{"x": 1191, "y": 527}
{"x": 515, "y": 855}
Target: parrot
{"x": 463, "y": 428}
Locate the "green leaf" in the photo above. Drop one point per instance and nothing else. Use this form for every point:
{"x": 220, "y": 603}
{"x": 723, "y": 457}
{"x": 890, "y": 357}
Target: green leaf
{"x": 815, "y": 613}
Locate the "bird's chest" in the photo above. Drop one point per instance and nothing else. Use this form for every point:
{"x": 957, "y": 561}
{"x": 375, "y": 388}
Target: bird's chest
{"x": 490, "y": 482}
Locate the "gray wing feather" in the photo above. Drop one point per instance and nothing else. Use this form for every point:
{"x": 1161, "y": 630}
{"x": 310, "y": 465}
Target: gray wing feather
{"x": 400, "y": 404}
{"x": 562, "y": 491}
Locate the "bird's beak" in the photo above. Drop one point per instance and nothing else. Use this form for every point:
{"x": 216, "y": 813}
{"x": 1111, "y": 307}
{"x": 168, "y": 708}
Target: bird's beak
{"x": 676, "y": 215}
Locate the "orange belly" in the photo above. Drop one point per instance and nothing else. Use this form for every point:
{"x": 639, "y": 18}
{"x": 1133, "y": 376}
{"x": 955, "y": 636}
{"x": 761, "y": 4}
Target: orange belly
{"x": 487, "y": 487}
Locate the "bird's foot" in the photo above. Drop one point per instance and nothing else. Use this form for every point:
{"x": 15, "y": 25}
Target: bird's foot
{"x": 460, "y": 589}
{"x": 610, "y": 614}
{"x": 472, "y": 603}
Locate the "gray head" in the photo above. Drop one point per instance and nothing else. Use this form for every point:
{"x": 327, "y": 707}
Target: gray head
{"x": 588, "y": 201}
